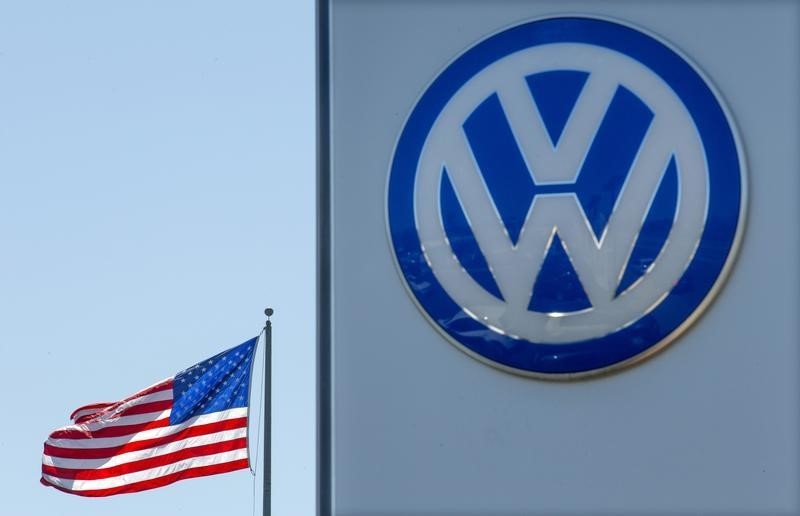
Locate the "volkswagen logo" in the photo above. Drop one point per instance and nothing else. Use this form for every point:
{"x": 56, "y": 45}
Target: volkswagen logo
{"x": 566, "y": 197}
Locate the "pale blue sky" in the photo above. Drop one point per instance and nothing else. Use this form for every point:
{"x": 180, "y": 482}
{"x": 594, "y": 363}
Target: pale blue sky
{"x": 157, "y": 165}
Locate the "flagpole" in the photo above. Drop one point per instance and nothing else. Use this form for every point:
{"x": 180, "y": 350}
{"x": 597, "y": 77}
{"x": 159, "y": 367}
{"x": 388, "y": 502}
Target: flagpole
{"x": 268, "y": 413}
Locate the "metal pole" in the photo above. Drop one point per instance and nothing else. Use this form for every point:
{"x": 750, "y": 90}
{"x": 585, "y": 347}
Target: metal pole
{"x": 268, "y": 413}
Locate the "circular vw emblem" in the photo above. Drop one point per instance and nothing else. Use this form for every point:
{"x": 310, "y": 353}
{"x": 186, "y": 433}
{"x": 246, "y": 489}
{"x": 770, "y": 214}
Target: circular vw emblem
{"x": 565, "y": 197}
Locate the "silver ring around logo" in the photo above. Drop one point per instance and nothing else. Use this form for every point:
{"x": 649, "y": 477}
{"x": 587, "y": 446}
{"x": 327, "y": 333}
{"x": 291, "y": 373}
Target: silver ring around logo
{"x": 565, "y": 197}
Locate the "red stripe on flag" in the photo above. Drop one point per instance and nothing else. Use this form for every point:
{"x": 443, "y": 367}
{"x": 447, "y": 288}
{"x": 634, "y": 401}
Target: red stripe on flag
{"x": 139, "y": 465}
{"x": 161, "y": 386}
{"x": 102, "y": 453}
{"x": 142, "y": 408}
{"x": 144, "y": 485}
{"x": 110, "y": 431}
{"x": 93, "y": 409}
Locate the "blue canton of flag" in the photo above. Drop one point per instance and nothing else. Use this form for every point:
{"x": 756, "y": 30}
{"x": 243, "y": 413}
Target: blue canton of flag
{"x": 222, "y": 382}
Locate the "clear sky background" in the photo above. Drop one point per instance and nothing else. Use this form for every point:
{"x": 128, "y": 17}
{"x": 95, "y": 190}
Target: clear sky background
{"x": 157, "y": 165}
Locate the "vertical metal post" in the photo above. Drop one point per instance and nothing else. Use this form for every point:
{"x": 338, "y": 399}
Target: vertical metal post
{"x": 268, "y": 414}
{"x": 324, "y": 383}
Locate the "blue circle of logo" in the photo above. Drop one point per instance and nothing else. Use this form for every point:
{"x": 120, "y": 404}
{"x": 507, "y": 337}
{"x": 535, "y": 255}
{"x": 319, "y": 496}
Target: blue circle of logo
{"x": 565, "y": 197}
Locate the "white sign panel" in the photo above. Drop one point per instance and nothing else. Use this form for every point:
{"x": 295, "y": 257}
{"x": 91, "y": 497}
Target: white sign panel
{"x": 519, "y": 203}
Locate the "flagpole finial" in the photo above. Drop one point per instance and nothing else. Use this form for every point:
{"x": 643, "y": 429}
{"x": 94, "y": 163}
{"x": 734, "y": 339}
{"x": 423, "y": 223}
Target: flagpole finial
{"x": 268, "y": 312}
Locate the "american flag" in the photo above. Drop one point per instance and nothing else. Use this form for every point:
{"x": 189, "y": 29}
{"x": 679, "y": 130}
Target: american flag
{"x": 191, "y": 425}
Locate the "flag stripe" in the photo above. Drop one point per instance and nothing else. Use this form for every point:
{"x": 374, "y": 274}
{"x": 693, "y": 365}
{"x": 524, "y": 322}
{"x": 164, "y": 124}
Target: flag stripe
{"x": 77, "y": 432}
{"x": 131, "y": 456}
{"x": 144, "y": 464}
{"x": 239, "y": 414}
{"x": 88, "y": 411}
{"x": 142, "y": 444}
{"x": 147, "y": 474}
{"x": 159, "y": 411}
{"x": 160, "y": 481}
{"x": 130, "y": 406}
{"x": 124, "y": 420}
{"x": 104, "y": 453}
{"x": 146, "y": 408}
{"x": 163, "y": 385}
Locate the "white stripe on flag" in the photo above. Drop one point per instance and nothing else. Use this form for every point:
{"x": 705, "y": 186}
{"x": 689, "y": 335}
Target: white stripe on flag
{"x": 124, "y": 458}
{"x": 107, "y": 442}
{"x": 147, "y": 398}
{"x": 120, "y": 421}
{"x": 148, "y": 474}
{"x": 92, "y": 410}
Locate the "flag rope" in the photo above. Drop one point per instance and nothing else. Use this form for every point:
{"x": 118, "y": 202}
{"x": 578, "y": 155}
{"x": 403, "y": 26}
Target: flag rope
{"x": 254, "y": 462}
